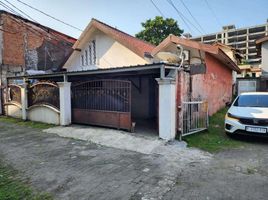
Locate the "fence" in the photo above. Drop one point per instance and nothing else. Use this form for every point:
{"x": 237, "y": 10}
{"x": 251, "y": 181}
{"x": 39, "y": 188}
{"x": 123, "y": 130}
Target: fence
{"x": 194, "y": 117}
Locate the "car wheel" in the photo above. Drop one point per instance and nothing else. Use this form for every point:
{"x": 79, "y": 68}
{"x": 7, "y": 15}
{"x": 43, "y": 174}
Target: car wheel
{"x": 228, "y": 134}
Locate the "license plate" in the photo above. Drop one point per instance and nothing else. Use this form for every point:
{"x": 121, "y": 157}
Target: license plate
{"x": 256, "y": 129}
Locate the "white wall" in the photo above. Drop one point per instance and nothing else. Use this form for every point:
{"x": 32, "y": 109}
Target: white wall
{"x": 264, "y": 55}
{"x": 44, "y": 114}
{"x": 13, "y": 111}
{"x": 109, "y": 53}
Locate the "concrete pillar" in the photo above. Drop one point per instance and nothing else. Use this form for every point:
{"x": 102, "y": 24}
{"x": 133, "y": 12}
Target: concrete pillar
{"x": 1, "y": 112}
{"x": 65, "y": 103}
{"x": 24, "y": 101}
{"x": 167, "y": 108}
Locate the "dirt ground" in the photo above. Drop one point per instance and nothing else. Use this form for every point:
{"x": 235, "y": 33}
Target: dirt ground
{"x": 75, "y": 169}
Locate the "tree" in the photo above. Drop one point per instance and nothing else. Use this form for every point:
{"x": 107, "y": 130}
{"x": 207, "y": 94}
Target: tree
{"x": 157, "y": 29}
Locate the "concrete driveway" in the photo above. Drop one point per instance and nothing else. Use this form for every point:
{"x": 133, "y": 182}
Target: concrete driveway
{"x": 76, "y": 169}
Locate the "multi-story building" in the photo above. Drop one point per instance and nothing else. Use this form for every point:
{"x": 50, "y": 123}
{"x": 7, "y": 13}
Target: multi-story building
{"x": 241, "y": 38}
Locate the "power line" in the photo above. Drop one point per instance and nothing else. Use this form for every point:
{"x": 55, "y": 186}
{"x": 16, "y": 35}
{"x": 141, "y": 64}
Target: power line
{"x": 192, "y": 16}
{"x": 213, "y": 13}
{"x": 30, "y": 29}
{"x": 20, "y": 10}
{"x": 36, "y": 9}
{"x": 184, "y": 19}
{"x": 157, "y": 8}
{"x": 9, "y": 8}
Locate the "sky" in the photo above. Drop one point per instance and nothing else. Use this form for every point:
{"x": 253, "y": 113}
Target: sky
{"x": 127, "y": 15}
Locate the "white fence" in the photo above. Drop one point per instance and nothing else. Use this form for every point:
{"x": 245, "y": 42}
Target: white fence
{"x": 194, "y": 117}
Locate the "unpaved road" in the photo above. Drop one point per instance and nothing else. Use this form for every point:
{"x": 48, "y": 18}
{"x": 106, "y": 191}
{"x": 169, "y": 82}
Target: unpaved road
{"x": 74, "y": 169}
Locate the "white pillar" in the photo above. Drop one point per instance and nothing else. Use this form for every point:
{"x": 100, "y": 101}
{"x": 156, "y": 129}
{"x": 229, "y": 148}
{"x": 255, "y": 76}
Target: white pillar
{"x": 24, "y": 101}
{"x": 167, "y": 108}
{"x": 65, "y": 103}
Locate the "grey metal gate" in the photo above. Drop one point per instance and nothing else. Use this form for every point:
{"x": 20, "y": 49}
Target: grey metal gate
{"x": 194, "y": 117}
{"x": 102, "y": 102}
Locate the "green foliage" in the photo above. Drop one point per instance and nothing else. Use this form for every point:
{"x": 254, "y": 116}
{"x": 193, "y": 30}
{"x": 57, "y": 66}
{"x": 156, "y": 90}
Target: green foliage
{"x": 12, "y": 187}
{"x": 37, "y": 125}
{"x": 157, "y": 29}
{"x": 214, "y": 139}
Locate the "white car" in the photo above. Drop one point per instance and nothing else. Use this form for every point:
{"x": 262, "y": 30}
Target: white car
{"x": 248, "y": 114}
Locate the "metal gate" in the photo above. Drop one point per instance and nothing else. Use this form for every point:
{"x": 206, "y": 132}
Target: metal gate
{"x": 102, "y": 102}
{"x": 194, "y": 117}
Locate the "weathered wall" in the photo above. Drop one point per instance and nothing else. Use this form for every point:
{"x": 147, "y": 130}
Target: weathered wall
{"x": 215, "y": 86}
{"x": 25, "y": 46}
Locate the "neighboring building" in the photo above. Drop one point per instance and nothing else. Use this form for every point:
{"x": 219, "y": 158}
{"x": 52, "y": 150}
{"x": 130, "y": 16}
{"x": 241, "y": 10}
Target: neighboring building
{"x": 241, "y": 38}
{"x": 249, "y": 71}
{"x": 262, "y": 45}
{"x": 102, "y": 46}
{"x": 26, "y": 46}
{"x": 215, "y": 83}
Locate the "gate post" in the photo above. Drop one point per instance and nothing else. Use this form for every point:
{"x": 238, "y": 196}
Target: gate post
{"x": 24, "y": 100}
{"x": 167, "y": 108}
{"x": 65, "y": 103}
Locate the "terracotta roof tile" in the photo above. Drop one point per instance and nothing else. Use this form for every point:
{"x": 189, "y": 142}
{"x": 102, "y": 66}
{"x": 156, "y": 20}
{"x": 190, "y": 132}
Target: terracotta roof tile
{"x": 135, "y": 44}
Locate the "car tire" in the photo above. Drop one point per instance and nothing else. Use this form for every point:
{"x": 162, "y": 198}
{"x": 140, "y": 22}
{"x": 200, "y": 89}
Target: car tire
{"x": 228, "y": 134}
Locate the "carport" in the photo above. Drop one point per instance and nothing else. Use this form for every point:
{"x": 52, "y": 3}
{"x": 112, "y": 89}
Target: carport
{"x": 122, "y": 98}
{"x": 141, "y": 98}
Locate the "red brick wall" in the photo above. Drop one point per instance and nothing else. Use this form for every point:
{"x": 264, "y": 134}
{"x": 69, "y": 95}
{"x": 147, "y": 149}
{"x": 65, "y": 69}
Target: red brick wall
{"x": 24, "y": 44}
{"x": 215, "y": 85}
{"x": 14, "y": 41}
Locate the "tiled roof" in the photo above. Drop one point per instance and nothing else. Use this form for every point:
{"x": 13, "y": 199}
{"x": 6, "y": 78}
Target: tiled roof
{"x": 134, "y": 44}
{"x": 211, "y": 49}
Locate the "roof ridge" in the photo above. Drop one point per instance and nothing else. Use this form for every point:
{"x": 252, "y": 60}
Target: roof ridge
{"x": 98, "y": 21}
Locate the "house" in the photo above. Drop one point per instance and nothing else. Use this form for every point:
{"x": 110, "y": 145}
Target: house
{"x": 101, "y": 46}
{"x": 214, "y": 83}
{"x": 249, "y": 71}
{"x": 116, "y": 80}
{"x": 29, "y": 47}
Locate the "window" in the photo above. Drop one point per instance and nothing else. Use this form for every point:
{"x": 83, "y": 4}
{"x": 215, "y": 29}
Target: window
{"x": 86, "y": 57}
{"x": 89, "y": 57}
{"x": 252, "y": 101}
{"x": 82, "y": 60}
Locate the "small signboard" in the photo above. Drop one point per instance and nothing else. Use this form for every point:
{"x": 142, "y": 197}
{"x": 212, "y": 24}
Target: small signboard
{"x": 198, "y": 69}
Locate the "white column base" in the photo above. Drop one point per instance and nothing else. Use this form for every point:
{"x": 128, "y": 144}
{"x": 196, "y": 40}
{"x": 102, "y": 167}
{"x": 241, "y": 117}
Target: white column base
{"x": 24, "y": 101}
{"x": 167, "y": 109}
{"x": 65, "y": 103}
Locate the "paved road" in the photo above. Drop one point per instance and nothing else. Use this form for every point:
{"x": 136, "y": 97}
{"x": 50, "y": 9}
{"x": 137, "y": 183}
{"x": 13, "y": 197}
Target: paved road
{"x": 74, "y": 169}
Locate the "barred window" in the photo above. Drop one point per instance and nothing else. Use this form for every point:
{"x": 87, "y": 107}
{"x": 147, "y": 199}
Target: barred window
{"x": 88, "y": 56}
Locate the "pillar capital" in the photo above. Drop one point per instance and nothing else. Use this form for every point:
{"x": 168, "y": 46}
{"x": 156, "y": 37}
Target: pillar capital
{"x": 165, "y": 81}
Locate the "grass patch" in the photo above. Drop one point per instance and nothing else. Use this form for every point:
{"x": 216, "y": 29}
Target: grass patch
{"x": 214, "y": 139}
{"x": 12, "y": 187}
{"x": 37, "y": 125}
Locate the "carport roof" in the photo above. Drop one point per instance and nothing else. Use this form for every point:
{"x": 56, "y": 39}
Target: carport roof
{"x": 98, "y": 71}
